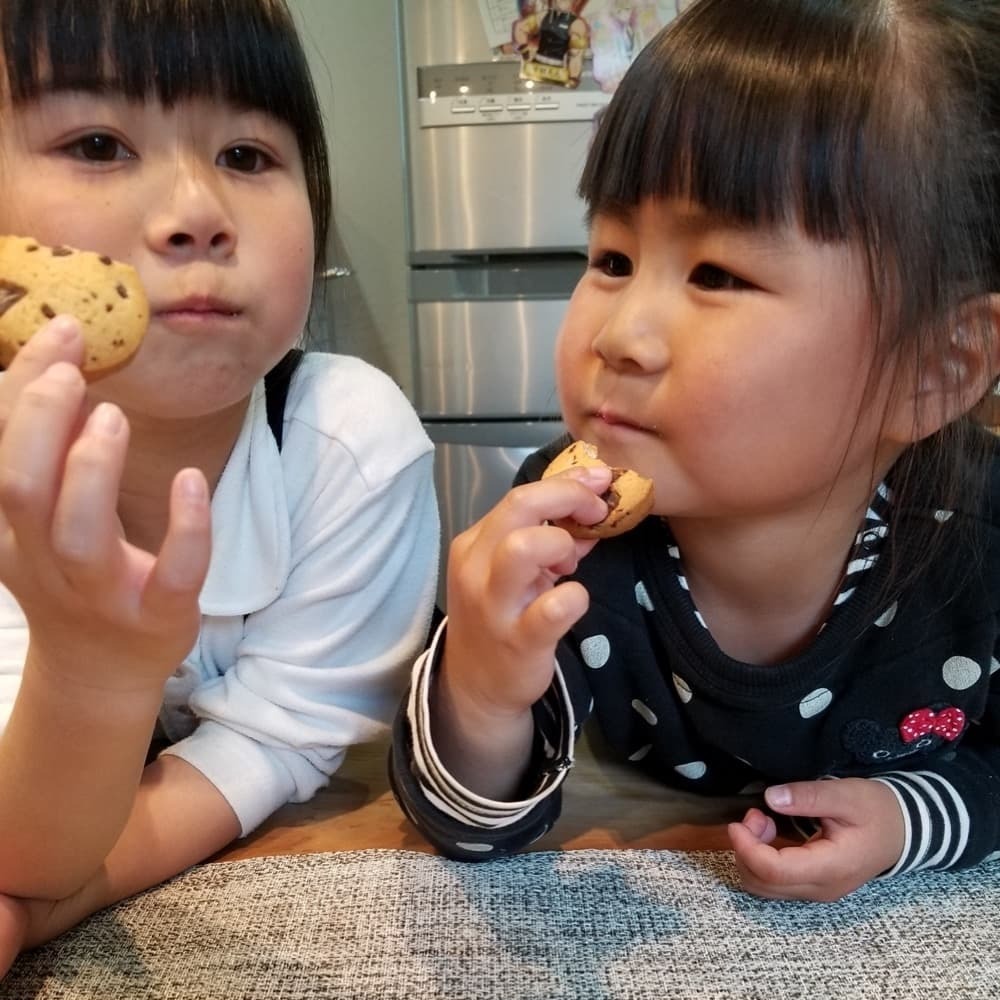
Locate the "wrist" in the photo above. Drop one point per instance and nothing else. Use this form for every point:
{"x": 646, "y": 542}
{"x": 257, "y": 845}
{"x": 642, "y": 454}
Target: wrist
{"x": 452, "y": 694}
{"x": 75, "y": 675}
{"x": 485, "y": 748}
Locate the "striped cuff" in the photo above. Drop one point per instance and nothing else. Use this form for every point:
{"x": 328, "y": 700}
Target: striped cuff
{"x": 451, "y": 797}
{"x": 935, "y": 818}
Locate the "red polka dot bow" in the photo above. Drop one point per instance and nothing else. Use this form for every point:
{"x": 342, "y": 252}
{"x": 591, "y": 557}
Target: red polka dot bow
{"x": 948, "y": 724}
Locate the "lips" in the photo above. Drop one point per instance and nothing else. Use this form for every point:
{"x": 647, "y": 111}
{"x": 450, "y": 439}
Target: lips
{"x": 612, "y": 419}
{"x": 199, "y": 304}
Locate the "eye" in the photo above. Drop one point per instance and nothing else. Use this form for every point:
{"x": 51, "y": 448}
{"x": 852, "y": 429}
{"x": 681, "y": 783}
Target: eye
{"x": 99, "y": 147}
{"x": 716, "y": 279}
{"x": 614, "y": 265}
{"x": 246, "y": 159}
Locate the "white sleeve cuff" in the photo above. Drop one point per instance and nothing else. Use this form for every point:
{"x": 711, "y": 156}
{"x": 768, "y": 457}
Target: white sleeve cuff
{"x": 443, "y": 790}
{"x": 254, "y": 779}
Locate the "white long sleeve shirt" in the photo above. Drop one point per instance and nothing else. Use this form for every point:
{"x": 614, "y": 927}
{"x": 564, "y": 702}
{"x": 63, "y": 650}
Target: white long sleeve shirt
{"x": 318, "y": 596}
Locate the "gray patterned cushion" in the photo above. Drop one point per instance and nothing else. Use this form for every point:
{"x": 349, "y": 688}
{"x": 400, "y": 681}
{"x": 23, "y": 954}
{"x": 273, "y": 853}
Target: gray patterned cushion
{"x": 584, "y": 924}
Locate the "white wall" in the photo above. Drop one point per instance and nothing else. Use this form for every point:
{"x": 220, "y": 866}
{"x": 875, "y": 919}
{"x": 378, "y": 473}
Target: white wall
{"x": 351, "y": 45}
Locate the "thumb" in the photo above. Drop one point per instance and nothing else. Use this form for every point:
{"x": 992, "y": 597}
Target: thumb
{"x": 826, "y": 799}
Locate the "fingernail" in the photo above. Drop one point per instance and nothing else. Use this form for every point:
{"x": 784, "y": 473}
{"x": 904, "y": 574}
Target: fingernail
{"x": 590, "y": 476}
{"x": 64, "y": 328}
{"x": 107, "y": 419}
{"x": 778, "y": 795}
{"x": 191, "y": 485}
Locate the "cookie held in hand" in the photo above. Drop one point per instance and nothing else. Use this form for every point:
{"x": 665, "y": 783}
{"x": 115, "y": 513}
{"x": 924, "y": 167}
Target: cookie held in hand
{"x": 629, "y": 497}
{"x": 39, "y": 282}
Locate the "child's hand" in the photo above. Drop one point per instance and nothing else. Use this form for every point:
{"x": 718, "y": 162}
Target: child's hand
{"x": 862, "y": 836}
{"x": 101, "y": 612}
{"x": 506, "y": 612}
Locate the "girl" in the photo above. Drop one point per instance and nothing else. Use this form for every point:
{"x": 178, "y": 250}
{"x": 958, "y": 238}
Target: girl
{"x": 792, "y": 304}
{"x": 183, "y": 136}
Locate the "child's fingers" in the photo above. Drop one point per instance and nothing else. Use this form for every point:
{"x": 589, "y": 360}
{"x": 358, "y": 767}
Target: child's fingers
{"x": 85, "y": 523}
{"x": 58, "y": 340}
{"x": 183, "y": 559}
{"x": 570, "y": 495}
{"x": 760, "y": 825}
{"x": 547, "y": 619}
{"x": 780, "y": 873}
{"x": 834, "y": 800}
{"x": 33, "y": 449}
{"x": 527, "y": 560}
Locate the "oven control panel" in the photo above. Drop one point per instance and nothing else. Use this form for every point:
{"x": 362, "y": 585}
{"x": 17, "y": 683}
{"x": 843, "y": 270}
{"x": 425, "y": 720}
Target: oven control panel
{"x": 494, "y": 94}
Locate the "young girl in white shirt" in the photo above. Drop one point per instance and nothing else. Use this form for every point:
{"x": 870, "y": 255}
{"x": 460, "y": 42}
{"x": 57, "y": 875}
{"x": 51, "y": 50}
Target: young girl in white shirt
{"x": 168, "y": 570}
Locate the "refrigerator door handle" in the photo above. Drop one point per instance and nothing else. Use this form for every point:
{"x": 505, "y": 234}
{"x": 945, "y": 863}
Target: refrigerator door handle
{"x": 332, "y": 273}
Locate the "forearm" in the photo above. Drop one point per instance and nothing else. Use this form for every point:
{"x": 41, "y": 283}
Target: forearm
{"x": 71, "y": 759}
{"x": 178, "y": 819}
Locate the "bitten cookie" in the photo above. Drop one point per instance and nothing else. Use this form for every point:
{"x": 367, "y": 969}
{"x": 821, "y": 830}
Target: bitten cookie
{"x": 629, "y": 497}
{"x": 38, "y": 282}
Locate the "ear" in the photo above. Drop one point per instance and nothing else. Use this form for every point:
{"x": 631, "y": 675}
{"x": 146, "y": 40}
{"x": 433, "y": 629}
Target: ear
{"x": 949, "y": 384}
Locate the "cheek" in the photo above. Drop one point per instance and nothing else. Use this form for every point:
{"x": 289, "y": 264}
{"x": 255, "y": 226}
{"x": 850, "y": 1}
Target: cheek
{"x": 291, "y": 270}
{"x": 570, "y": 353}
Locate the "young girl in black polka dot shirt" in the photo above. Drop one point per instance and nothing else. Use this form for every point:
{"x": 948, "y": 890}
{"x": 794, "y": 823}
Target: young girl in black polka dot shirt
{"x": 792, "y": 306}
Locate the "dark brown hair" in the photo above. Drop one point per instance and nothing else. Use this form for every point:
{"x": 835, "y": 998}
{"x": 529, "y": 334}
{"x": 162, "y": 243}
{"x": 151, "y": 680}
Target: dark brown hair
{"x": 866, "y": 121}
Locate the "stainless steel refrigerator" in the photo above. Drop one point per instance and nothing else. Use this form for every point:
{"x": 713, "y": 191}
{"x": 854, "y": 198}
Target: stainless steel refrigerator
{"x": 497, "y": 242}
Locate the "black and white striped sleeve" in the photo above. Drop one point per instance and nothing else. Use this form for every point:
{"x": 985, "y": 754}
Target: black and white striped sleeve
{"x": 456, "y": 820}
{"x": 935, "y": 818}
{"x": 951, "y": 805}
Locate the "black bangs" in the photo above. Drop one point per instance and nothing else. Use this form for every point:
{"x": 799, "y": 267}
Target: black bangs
{"x": 759, "y": 118}
{"x": 244, "y": 51}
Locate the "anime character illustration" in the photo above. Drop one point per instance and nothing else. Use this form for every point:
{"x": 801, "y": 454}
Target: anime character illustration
{"x": 552, "y": 42}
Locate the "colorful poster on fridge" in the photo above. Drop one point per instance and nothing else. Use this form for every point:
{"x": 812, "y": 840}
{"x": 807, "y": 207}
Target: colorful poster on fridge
{"x": 554, "y": 37}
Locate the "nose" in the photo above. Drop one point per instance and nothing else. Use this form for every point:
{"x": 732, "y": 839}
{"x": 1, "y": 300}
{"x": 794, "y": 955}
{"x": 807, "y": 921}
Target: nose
{"x": 634, "y": 337}
{"x": 192, "y": 218}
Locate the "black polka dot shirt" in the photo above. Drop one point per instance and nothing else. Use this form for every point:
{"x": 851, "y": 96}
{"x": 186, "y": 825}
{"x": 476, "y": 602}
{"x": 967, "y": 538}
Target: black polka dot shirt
{"x": 905, "y": 692}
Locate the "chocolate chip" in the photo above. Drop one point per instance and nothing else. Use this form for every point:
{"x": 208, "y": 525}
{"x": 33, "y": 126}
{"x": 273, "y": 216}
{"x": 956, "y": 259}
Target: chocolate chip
{"x": 10, "y": 295}
{"x": 32, "y": 248}
{"x": 62, "y": 252}
{"x": 108, "y": 307}
{"x": 612, "y": 498}
{"x": 105, "y": 260}
{"x": 47, "y": 311}
{"x": 122, "y": 291}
